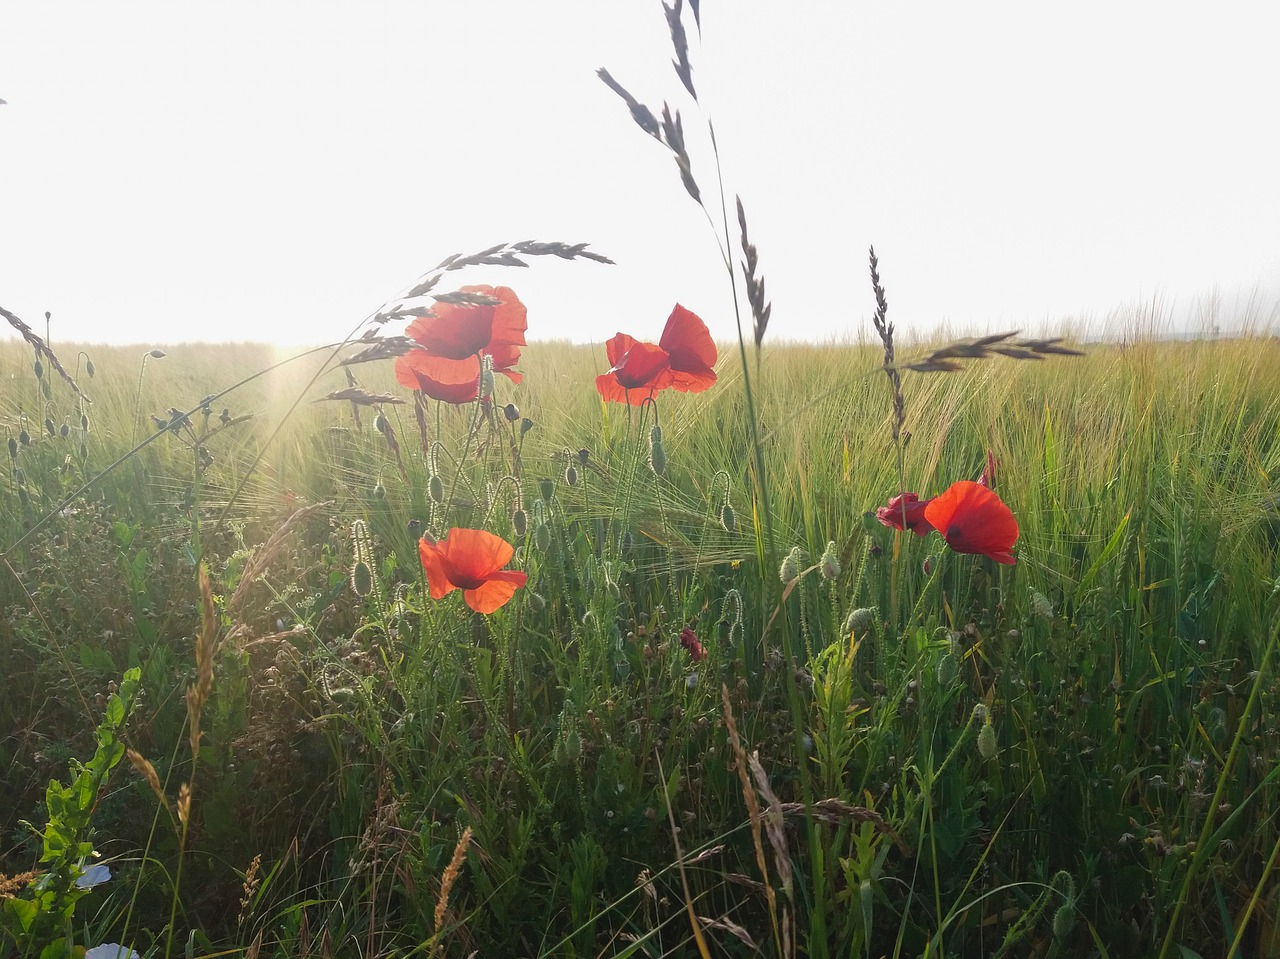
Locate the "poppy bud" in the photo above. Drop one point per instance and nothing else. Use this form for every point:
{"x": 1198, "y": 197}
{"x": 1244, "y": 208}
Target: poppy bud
{"x": 830, "y": 564}
{"x": 39, "y": 369}
{"x": 64, "y": 431}
{"x": 860, "y": 621}
{"x": 520, "y": 522}
{"x": 380, "y": 423}
{"x": 947, "y": 670}
{"x": 511, "y": 412}
{"x": 13, "y": 448}
{"x": 542, "y": 537}
{"x": 379, "y": 492}
{"x": 547, "y": 488}
{"x": 1064, "y": 920}
{"x": 361, "y": 579}
{"x": 987, "y": 741}
{"x": 157, "y": 354}
{"x": 49, "y": 427}
{"x": 1040, "y": 605}
{"x": 413, "y": 526}
{"x": 584, "y": 454}
{"x": 728, "y": 518}
{"x": 571, "y": 475}
{"x": 657, "y": 452}
{"x": 790, "y": 568}
{"x": 84, "y": 451}
{"x": 84, "y": 422}
{"x": 225, "y": 416}
{"x": 88, "y": 367}
{"x": 435, "y": 486}
{"x": 526, "y": 424}
{"x": 536, "y": 602}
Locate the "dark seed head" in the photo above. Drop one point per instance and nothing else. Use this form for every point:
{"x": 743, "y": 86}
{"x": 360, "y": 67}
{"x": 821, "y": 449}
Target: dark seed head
{"x": 511, "y": 412}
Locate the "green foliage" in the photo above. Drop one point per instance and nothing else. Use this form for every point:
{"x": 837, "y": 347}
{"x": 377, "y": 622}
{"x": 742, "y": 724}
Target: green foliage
{"x": 39, "y": 921}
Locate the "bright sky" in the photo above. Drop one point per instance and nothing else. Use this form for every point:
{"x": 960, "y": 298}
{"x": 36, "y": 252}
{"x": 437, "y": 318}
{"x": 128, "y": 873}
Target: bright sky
{"x": 276, "y": 171}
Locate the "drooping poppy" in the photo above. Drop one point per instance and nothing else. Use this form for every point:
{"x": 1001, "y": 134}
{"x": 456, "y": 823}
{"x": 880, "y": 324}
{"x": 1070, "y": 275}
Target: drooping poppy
{"x": 471, "y": 560}
{"x": 682, "y": 359}
{"x": 445, "y": 365}
{"x": 910, "y": 506}
{"x": 689, "y": 640}
{"x": 973, "y": 519}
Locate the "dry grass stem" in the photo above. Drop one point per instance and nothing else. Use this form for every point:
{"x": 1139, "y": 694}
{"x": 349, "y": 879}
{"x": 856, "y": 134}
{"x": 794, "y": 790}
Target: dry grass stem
{"x": 148, "y": 772}
{"x": 447, "y": 880}
{"x": 261, "y": 559}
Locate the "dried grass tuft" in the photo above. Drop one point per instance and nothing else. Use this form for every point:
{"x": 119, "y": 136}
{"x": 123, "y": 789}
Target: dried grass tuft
{"x": 944, "y": 360}
{"x": 760, "y": 307}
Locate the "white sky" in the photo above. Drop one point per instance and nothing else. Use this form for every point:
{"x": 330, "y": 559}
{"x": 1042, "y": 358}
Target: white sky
{"x": 277, "y": 170}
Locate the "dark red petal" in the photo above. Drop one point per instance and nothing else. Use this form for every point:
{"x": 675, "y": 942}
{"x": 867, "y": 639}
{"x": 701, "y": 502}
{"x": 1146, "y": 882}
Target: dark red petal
{"x": 474, "y": 555}
{"x": 611, "y": 391}
{"x": 642, "y": 366}
{"x": 688, "y": 341}
{"x": 891, "y": 515}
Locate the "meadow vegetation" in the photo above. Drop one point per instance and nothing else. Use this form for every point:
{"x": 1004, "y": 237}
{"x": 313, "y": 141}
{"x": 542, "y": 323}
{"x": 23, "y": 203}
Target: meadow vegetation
{"x": 724, "y": 709}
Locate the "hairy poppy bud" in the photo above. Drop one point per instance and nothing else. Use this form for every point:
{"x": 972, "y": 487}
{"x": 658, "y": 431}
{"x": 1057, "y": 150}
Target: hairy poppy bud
{"x": 435, "y": 486}
{"x": 860, "y": 621}
{"x": 157, "y": 354}
{"x": 520, "y": 522}
{"x": 584, "y": 454}
{"x": 728, "y": 518}
{"x": 84, "y": 422}
{"x": 39, "y": 369}
{"x": 570, "y": 475}
{"x": 1040, "y": 605}
{"x": 830, "y": 564}
{"x": 380, "y": 423}
{"x": 13, "y": 448}
{"x": 88, "y": 367}
{"x": 379, "y": 491}
{"x": 657, "y": 452}
{"x": 947, "y": 670}
{"x": 987, "y": 741}
{"x": 49, "y": 427}
{"x": 536, "y": 602}
{"x": 84, "y": 451}
{"x": 64, "y": 431}
{"x": 547, "y": 488}
{"x": 790, "y": 567}
{"x": 542, "y": 537}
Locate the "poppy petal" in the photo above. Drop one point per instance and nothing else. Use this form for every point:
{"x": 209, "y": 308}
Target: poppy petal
{"x": 453, "y": 381}
{"x": 616, "y": 347}
{"x": 494, "y": 593}
{"x": 973, "y": 519}
{"x": 910, "y": 506}
{"x": 436, "y": 566}
{"x": 688, "y": 340}
{"x": 642, "y": 366}
{"x": 474, "y": 555}
{"x": 611, "y": 391}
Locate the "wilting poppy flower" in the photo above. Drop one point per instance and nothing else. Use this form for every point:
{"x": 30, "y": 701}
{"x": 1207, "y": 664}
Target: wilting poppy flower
{"x": 682, "y": 359}
{"x": 471, "y": 560}
{"x": 910, "y": 505}
{"x": 689, "y": 640}
{"x": 445, "y": 365}
{"x": 988, "y": 477}
{"x": 973, "y": 519}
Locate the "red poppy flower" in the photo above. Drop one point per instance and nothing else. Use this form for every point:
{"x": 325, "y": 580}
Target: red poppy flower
{"x": 689, "y": 640}
{"x": 446, "y": 364}
{"x": 681, "y": 360}
{"x": 973, "y": 519}
{"x": 471, "y": 560}
{"x": 911, "y": 505}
